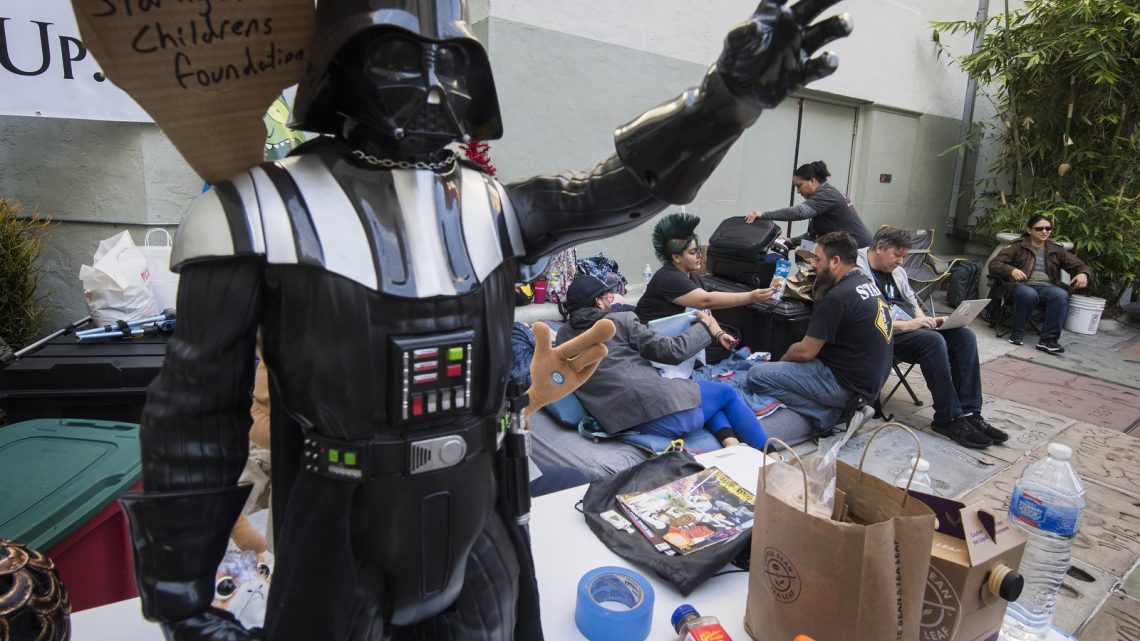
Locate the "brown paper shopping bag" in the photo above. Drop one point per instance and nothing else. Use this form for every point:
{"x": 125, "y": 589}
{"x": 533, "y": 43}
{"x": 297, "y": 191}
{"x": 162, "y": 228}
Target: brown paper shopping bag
{"x": 859, "y": 580}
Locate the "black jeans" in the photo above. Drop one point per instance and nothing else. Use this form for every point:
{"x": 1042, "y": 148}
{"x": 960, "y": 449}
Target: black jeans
{"x": 949, "y": 362}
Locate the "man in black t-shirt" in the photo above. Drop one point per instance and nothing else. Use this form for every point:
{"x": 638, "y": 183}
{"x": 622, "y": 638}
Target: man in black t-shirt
{"x": 847, "y": 349}
{"x": 948, "y": 358}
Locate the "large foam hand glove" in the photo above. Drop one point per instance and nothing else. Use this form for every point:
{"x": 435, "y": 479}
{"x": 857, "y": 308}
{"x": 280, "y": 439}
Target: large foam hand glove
{"x": 768, "y": 56}
{"x": 557, "y": 371}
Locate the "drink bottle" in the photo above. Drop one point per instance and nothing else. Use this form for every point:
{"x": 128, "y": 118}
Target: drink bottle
{"x": 783, "y": 268}
{"x": 691, "y": 626}
{"x": 647, "y": 273}
{"x": 1046, "y": 503}
{"x": 922, "y": 481}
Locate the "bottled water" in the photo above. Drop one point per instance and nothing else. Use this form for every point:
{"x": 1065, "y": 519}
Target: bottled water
{"x": 647, "y": 273}
{"x": 779, "y": 279}
{"x": 922, "y": 481}
{"x": 1046, "y": 503}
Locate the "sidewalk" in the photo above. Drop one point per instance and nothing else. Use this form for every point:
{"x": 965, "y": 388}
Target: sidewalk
{"x": 1087, "y": 398}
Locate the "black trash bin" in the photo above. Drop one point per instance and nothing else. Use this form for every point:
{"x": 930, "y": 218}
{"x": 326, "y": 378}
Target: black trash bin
{"x": 103, "y": 380}
{"x": 771, "y": 326}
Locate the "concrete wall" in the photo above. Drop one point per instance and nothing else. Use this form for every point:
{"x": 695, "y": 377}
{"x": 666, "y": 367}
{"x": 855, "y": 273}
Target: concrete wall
{"x": 94, "y": 179}
{"x": 567, "y": 74}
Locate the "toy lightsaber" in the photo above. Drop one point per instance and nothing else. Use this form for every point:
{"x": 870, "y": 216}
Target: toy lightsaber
{"x": 164, "y": 321}
{"x": 59, "y": 332}
{"x": 517, "y": 446}
{"x": 127, "y": 333}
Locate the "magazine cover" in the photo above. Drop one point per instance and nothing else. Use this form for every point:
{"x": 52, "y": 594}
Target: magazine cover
{"x": 693, "y": 512}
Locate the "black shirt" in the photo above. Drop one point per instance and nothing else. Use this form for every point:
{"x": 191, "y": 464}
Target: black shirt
{"x": 665, "y": 286}
{"x": 886, "y": 284}
{"x": 855, "y": 322}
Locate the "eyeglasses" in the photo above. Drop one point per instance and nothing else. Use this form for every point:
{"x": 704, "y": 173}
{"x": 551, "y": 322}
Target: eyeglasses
{"x": 1042, "y": 229}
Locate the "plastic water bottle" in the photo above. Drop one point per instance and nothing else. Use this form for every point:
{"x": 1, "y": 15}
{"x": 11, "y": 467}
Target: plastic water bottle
{"x": 779, "y": 279}
{"x": 691, "y": 626}
{"x": 1046, "y": 503}
{"x": 922, "y": 481}
{"x": 647, "y": 273}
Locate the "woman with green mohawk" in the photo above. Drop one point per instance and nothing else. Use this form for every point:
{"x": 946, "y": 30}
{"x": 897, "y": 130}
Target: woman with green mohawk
{"x": 677, "y": 285}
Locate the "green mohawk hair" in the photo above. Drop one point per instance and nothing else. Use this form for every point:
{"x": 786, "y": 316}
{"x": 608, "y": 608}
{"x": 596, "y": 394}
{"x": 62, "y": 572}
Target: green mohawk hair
{"x": 677, "y": 226}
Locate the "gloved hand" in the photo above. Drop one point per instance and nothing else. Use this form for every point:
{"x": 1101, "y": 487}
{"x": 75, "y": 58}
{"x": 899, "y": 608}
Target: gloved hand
{"x": 211, "y": 625}
{"x": 557, "y": 371}
{"x": 768, "y": 56}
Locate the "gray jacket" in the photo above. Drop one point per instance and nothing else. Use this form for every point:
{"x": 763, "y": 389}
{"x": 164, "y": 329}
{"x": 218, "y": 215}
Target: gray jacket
{"x": 899, "y": 276}
{"x": 626, "y": 390}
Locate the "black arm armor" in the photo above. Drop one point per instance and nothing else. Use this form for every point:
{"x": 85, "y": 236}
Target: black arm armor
{"x": 556, "y": 212}
{"x": 195, "y": 427}
{"x": 179, "y": 539}
{"x": 673, "y": 148}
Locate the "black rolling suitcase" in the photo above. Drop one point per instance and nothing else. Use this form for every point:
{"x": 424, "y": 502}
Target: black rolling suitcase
{"x": 736, "y": 251}
{"x": 771, "y": 326}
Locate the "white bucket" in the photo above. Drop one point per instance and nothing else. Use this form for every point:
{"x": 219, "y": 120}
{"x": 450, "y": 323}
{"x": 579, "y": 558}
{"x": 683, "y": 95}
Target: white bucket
{"x": 1084, "y": 314}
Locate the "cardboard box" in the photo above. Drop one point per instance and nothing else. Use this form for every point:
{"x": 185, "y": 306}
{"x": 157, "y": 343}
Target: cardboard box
{"x": 970, "y": 542}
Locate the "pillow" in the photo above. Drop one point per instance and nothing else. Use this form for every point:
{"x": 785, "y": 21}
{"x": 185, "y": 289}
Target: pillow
{"x": 568, "y": 411}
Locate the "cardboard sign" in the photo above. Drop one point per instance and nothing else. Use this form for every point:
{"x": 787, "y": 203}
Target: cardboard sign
{"x": 205, "y": 70}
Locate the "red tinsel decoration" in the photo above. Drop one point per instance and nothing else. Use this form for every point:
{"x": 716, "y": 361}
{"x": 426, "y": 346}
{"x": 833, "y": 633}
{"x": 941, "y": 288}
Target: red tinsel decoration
{"x": 479, "y": 152}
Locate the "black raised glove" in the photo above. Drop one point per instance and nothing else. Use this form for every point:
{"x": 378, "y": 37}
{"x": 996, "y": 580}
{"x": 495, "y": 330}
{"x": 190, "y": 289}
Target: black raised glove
{"x": 212, "y": 625}
{"x": 769, "y": 56}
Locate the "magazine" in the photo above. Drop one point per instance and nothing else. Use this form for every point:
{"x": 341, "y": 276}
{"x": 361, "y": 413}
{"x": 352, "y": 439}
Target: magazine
{"x": 693, "y": 512}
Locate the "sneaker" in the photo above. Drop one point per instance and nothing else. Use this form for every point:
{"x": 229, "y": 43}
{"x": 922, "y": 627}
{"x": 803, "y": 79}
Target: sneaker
{"x": 983, "y": 426}
{"x": 1052, "y": 347}
{"x": 1015, "y": 341}
{"x": 963, "y": 432}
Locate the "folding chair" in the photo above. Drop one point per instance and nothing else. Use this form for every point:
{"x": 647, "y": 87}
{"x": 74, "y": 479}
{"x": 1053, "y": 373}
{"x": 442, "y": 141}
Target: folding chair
{"x": 902, "y": 382}
{"x": 925, "y": 270}
{"x": 1001, "y": 309}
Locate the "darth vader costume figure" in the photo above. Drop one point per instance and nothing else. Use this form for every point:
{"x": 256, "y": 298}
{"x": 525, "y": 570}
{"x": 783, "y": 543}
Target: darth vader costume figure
{"x": 379, "y": 271}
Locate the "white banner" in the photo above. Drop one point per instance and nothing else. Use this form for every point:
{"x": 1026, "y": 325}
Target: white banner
{"x": 46, "y": 71}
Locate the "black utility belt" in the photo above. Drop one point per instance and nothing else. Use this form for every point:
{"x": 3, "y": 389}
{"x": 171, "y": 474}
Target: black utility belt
{"x": 361, "y": 461}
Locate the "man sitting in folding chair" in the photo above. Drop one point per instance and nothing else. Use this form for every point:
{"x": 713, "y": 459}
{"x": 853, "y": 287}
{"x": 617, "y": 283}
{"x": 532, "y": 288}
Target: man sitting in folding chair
{"x": 949, "y": 358}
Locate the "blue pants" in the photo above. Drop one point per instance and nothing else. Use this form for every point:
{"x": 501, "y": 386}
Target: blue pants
{"x": 949, "y": 362}
{"x": 721, "y": 407}
{"x": 1027, "y": 297}
{"x": 808, "y": 389}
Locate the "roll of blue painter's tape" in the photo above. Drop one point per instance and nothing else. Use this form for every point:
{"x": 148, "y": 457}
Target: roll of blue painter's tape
{"x": 614, "y": 604}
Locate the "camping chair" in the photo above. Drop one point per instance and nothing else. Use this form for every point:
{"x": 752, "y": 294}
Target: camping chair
{"x": 1001, "y": 310}
{"x": 925, "y": 270}
{"x": 902, "y": 382}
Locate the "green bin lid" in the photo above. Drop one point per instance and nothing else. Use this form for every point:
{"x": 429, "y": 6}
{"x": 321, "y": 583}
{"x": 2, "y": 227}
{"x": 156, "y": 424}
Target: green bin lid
{"x": 59, "y": 473}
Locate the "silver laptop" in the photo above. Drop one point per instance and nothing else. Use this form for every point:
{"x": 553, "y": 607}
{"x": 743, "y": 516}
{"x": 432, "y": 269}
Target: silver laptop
{"x": 966, "y": 312}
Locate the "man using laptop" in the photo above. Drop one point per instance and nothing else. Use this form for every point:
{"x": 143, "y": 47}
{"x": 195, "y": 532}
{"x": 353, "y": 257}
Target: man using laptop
{"x": 948, "y": 359}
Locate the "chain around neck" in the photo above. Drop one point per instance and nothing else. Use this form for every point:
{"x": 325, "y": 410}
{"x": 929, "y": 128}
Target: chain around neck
{"x": 388, "y": 163}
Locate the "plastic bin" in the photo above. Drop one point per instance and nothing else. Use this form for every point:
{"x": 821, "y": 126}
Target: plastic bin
{"x": 772, "y": 326}
{"x": 61, "y": 479}
{"x": 64, "y": 379}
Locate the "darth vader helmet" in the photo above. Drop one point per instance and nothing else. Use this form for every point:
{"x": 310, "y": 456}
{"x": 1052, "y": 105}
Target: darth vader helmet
{"x": 409, "y": 72}
{"x": 33, "y": 601}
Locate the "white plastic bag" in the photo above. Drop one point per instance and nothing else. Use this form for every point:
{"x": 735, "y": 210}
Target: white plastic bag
{"x": 117, "y": 286}
{"x": 163, "y": 282}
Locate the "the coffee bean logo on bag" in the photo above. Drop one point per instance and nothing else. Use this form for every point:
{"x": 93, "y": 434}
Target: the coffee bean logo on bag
{"x": 783, "y": 580}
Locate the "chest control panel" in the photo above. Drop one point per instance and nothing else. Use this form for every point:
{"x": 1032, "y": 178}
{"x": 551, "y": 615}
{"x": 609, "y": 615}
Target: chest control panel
{"x": 433, "y": 374}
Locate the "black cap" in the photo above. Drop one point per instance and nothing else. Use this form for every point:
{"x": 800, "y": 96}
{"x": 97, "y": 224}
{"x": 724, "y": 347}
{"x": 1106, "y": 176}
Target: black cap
{"x": 583, "y": 291}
